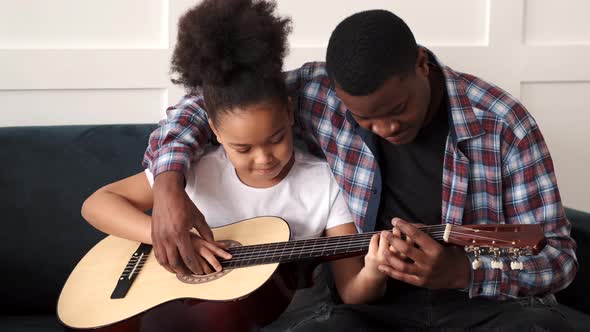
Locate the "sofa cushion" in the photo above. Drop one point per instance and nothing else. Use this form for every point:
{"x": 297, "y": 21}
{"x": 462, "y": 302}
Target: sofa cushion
{"x": 47, "y": 172}
{"x": 575, "y": 294}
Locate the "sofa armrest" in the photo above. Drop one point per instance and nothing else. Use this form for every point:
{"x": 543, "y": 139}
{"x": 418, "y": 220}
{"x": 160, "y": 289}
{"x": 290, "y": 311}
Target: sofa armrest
{"x": 575, "y": 295}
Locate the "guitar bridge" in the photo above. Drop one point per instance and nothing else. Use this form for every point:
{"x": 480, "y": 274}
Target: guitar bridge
{"x": 132, "y": 269}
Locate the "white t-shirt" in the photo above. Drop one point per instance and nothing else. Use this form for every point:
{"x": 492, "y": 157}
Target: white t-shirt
{"x": 308, "y": 198}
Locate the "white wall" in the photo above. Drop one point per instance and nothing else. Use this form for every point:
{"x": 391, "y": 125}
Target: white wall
{"x": 106, "y": 61}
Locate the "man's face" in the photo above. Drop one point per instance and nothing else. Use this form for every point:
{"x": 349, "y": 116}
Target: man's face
{"x": 397, "y": 110}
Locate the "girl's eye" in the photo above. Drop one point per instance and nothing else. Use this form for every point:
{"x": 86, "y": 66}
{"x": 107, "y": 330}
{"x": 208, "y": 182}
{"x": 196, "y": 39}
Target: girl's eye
{"x": 277, "y": 140}
{"x": 243, "y": 151}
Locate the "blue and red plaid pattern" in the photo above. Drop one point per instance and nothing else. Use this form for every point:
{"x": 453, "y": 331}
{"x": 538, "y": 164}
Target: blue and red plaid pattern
{"x": 497, "y": 169}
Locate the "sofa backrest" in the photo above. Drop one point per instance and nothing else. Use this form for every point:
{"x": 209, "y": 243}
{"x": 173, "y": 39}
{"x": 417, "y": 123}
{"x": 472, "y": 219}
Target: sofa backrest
{"x": 576, "y": 294}
{"x": 47, "y": 172}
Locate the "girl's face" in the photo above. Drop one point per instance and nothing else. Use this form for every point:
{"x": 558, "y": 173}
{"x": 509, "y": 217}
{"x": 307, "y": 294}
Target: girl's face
{"x": 258, "y": 141}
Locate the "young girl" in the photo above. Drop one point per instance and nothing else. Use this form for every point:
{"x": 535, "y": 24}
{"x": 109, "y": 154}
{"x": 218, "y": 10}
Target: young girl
{"x": 232, "y": 51}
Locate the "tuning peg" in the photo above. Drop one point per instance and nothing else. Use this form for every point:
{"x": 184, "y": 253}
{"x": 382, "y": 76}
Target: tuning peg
{"x": 497, "y": 264}
{"x": 476, "y": 264}
{"x": 476, "y": 251}
{"x": 515, "y": 264}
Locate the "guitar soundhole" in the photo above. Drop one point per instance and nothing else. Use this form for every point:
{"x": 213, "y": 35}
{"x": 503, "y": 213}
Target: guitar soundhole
{"x": 201, "y": 279}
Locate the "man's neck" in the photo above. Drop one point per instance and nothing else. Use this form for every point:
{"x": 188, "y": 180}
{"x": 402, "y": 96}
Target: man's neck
{"x": 437, "y": 93}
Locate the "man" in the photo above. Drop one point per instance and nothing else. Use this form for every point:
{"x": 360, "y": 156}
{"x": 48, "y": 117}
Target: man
{"x": 409, "y": 140}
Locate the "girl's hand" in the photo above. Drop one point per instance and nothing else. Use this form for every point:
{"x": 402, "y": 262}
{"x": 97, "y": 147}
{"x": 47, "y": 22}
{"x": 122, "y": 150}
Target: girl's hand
{"x": 379, "y": 251}
{"x": 206, "y": 253}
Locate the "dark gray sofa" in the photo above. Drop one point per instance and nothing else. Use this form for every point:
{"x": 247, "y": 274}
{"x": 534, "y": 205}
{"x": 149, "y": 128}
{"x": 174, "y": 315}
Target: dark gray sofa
{"x": 47, "y": 172}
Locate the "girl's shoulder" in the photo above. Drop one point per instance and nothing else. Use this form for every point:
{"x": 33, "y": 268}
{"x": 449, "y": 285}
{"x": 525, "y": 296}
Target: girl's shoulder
{"x": 308, "y": 164}
{"x": 212, "y": 162}
{"x": 214, "y": 153}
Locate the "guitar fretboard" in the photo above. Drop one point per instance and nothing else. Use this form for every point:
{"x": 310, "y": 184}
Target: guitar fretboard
{"x": 289, "y": 251}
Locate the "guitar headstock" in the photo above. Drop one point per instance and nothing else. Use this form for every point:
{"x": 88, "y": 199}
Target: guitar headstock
{"x": 497, "y": 240}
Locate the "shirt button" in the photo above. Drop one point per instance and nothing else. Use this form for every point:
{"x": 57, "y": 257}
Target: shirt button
{"x": 374, "y": 191}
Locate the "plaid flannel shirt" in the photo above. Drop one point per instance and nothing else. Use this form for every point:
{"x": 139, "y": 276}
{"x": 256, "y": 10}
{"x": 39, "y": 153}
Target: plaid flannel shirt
{"x": 497, "y": 169}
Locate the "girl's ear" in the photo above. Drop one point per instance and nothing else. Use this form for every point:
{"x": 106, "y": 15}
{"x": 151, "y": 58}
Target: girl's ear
{"x": 215, "y": 132}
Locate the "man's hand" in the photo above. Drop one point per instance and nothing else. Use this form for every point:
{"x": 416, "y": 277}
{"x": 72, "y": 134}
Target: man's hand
{"x": 173, "y": 216}
{"x": 433, "y": 266}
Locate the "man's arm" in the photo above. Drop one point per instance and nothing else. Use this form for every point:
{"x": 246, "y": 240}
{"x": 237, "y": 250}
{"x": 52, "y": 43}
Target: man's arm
{"x": 173, "y": 144}
{"x": 179, "y": 139}
{"x": 531, "y": 195}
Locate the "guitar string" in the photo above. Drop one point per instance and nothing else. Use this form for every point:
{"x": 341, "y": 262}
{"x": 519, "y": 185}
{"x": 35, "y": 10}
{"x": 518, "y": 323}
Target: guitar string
{"x": 372, "y": 233}
{"x": 257, "y": 260}
{"x": 350, "y": 248}
{"x": 243, "y": 254}
{"x": 319, "y": 249}
{"x": 300, "y": 247}
{"x": 346, "y": 237}
{"x": 274, "y": 247}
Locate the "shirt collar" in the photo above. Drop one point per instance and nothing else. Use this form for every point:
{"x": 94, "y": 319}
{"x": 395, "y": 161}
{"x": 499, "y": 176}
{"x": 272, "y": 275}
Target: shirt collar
{"x": 464, "y": 124}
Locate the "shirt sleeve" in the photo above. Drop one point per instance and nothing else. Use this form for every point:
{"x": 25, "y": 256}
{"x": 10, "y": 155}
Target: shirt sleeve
{"x": 530, "y": 196}
{"x": 179, "y": 139}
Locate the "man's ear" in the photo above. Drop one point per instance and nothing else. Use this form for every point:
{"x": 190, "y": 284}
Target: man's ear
{"x": 214, "y": 129}
{"x": 422, "y": 62}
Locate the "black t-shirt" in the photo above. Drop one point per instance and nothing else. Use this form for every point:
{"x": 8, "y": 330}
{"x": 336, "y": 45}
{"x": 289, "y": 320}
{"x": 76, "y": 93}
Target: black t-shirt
{"x": 412, "y": 175}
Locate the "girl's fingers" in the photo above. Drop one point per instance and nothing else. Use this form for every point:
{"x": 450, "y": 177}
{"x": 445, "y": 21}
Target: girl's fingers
{"x": 217, "y": 251}
{"x": 210, "y": 260}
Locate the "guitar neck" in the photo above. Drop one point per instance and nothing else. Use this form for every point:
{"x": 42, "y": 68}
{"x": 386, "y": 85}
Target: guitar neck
{"x": 323, "y": 247}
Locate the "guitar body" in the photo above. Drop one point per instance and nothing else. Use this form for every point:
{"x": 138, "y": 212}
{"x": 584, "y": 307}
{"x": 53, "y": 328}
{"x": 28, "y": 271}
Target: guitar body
{"x": 233, "y": 300}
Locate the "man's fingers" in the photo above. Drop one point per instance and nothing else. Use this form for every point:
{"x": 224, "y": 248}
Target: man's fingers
{"x": 204, "y": 230}
{"x": 401, "y": 276}
{"x": 409, "y": 250}
{"x": 176, "y": 262}
{"x": 412, "y": 231}
{"x": 187, "y": 252}
{"x": 399, "y": 264}
{"x": 162, "y": 258}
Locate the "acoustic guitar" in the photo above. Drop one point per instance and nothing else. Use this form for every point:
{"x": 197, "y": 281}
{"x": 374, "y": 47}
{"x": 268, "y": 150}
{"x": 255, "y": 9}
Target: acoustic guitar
{"x": 119, "y": 286}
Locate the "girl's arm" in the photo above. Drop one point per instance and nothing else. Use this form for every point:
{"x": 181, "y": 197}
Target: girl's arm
{"x": 357, "y": 282}
{"x": 119, "y": 208}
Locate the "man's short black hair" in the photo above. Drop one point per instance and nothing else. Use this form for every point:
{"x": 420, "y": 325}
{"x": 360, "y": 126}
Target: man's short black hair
{"x": 367, "y": 48}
